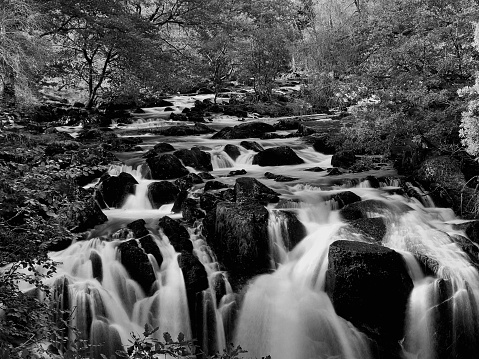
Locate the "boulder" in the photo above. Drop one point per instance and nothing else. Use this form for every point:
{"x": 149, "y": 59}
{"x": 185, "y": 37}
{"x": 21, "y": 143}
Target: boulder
{"x": 370, "y": 229}
{"x": 191, "y": 211}
{"x": 194, "y": 273}
{"x": 334, "y": 171}
{"x": 188, "y": 181}
{"x": 369, "y": 286}
{"x": 159, "y": 148}
{"x": 279, "y": 178}
{"x": 252, "y": 145}
{"x": 137, "y": 264}
{"x": 237, "y": 173}
{"x": 179, "y": 201}
{"x": 277, "y": 156}
{"x": 160, "y": 193}
{"x": 177, "y": 234}
{"x": 372, "y": 208}
{"x": 82, "y": 216}
{"x": 138, "y": 228}
{"x": 124, "y": 144}
{"x": 232, "y": 151}
{"x": 245, "y": 130}
{"x": 315, "y": 169}
{"x": 209, "y": 200}
{"x": 240, "y": 239}
{"x": 248, "y": 188}
{"x": 344, "y": 198}
{"x": 195, "y": 158}
{"x": 197, "y": 129}
{"x": 166, "y": 166}
{"x": 150, "y": 247}
{"x": 114, "y": 190}
{"x": 214, "y": 185}
{"x": 293, "y": 231}
{"x": 343, "y": 159}
{"x": 206, "y": 175}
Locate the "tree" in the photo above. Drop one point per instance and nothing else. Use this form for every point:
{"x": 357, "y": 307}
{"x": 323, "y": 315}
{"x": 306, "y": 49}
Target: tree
{"x": 22, "y": 53}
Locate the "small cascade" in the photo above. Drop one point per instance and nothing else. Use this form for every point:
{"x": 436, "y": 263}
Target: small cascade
{"x": 220, "y": 159}
{"x": 278, "y": 237}
{"x": 136, "y": 172}
{"x": 139, "y": 201}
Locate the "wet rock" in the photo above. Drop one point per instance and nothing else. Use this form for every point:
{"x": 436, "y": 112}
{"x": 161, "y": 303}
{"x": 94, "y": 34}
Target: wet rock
{"x": 197, "y": 129}
{"x": 166, "y": 166}
{"x": 179, "y": 201}
{"x": 177, "y": 234}
{"x": 178, "y": 117}
{"x": 248, "y": 188}
{"x": 372, "y": 208}
{"x": 245, "y": 130}
{"x": 369, "y": 286}
{"x": 342, "y": 199}
{"x": 150, "y": 247}
{"x": 206, "y": 175}
{"x": 334, "y": 172}
{"x": 195, "y": 158}
{"x": 371, "y": 229}
{"x": 429, "y": 266}
{"x": 287, "y": 124}
{"x": 229, "y": 195}
{"x": 240, "y": 238}
{"x": 193, "y": 272}
{"x": 277, "y": 156}
{"x": 209, "y": 200}
{"x": 160, "y": 193}
{"x": 232, "y": 151}
{"x": 82, "y": 216}
{"x": 168, "y": 109}
{"x": 469, "y": 247}
{"x": 136, "y": 262}
{"x": 159, "y": 148}
{"x": 138, "y": 228}
{"x": 237, "y": 173}
{"x": 279, "y": 178}
{"x": 315, "y": 169}
{"x": 343, "y": 159}
{"x": 252, "y": 145}
{"x": 114, "y": 190}
{"x": 124, "y": 144}
{"x": 372, "y": 181}
{"x": 188, "y": 181}
{"x": 214, "y": 185}
{"x": 293, "y": 230}
{"x": 190, "y": 211}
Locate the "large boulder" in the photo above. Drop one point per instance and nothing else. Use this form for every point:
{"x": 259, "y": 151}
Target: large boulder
{"x": 252, "y": 145}
{"x": 82, "y": 216}
{"x": 344, "y": 198}
{"x": 277, "y": 156}
{"x": 137, "y": 264}
{"x": 114, "y": 190}
{"x": 240, "y": 239}
{"x": 163, "y": 192}
{"x": 369, "y": 286}
{"x": 159, "y": 148}
{"x": 166, "y": 166}
{"x": 245, "y": 130}
{"x": 248, "y": 188}
{"x": 195, "y": 158}
{"x": 233, "y": 151}
{"x": 177, "y": 234}
{"x": 292, "y": 230}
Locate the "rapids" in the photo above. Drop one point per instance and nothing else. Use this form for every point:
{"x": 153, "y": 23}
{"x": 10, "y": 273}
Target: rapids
{"x": 287, "y": 313}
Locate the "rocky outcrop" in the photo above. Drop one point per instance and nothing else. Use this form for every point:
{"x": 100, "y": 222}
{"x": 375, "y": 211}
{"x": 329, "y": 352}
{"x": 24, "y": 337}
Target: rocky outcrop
{"x": 248, "y": 188}
{"x": 369, "y": 286}
{"x": 252, "y": 145}
{"x": 114, "y": 190}
{"x": 136, "y": 262}
{"x": 245, "y": 130}
{"x": 239, "y": 237}
{"x": 165, "y": 166}
{"x": 277, "y": 156}
{"x": 177, "y": 234}
{"x": 160, "y": 193}
{"x": 195, "y": 158}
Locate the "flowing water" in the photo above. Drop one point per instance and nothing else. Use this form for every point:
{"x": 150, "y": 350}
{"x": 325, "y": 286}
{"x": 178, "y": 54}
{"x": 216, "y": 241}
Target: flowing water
{"x": 287, "y": 313}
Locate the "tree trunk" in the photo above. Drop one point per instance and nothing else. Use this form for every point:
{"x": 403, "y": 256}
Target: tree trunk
{"x": 9, "y": 99}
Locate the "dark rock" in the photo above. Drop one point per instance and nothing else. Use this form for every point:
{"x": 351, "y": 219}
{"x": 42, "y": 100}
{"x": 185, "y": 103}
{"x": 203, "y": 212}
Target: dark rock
{"x": 160, "y": 193}
{"x": 240, "y": 238}
{"x": 334, "y": 171}
{"x": 150, "y": 247}
{"x": 114, "y": 190}
{"x": 322, "y": 144}
{"x": 186, "y": 110}
{"x": 188, "y": 181}
{"x": 190, "y": 211}
{"x": 245, "y": 130}
{"x": 194, "y": 116}
{"x": 232, "y": 151}
{"x": 343, "y": 159}
{"x": 372, "y": 208}
{"x": 237, "y": 173}
{"x": 315, "y": 169}
{"x": 166, "y": 166}
{"x": 252, "y": 145}
{"x": 214, "y": 185}
{"x": 177, "y": 234}
{"x": 159, "y": 148}
{"x": 209, "y": 200}
{"x": 137, "y": 264}
{"x": 178, "y": 117}
{"x": 179, "y": 201}
{"x": 279, "y": 178}
{"x": 248, "y": 188}
{"x": 344, "y": 198}
{"x": 293, "y": 231}
{"x": 138, "y": 228}
{"x": 369, "y": 286}
{"x": 287, "y": 124}
{"x": 124, "y": 144}
{"x": 229, "y": 195}
{"x": 194, "y": 273}
{"x": 195, "y": 158}
{"x": 197, "y": 129}
{"x": 139, "y": 110}
{"x": 78, "y": 104}
{"x": 277, "y": 156}
{"x": 371, "y": 229}
{"x": 169, "y": 109}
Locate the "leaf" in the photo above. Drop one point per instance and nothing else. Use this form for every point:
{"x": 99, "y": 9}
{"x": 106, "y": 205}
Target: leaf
{"x": 181, "y": 337}
{"x": 148, "y": 330}
{"x": 167, "y": 337}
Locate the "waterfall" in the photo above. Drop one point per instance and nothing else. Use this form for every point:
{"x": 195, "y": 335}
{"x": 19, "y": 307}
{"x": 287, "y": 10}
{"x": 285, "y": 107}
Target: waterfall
{"x": 139, "y": 200}
{"x": 278, "y": 236}
{"x": 220, "y": 159}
